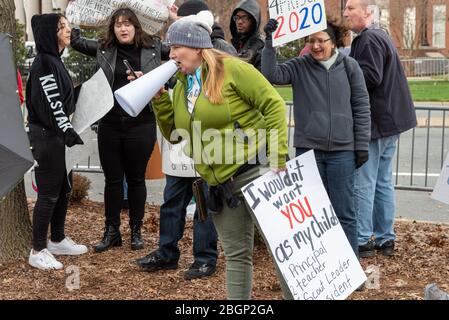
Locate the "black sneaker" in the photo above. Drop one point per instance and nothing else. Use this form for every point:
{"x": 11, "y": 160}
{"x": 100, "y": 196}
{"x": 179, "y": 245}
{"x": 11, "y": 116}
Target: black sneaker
{"x": 198, "y": 270}
{"x": 153, "y": 262}
{"x": 386, "y": 248}
{"x": 367, "y": 250}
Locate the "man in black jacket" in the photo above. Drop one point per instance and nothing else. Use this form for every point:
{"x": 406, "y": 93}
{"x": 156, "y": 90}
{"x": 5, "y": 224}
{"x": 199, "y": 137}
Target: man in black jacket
{"x": 392, "y": 112}
{"x": 246, "y": 38}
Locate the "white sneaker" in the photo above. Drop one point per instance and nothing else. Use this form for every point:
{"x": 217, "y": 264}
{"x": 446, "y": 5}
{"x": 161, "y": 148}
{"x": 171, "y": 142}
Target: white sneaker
{"x": 66, "y": 247}
{"x": 44, "y": 260}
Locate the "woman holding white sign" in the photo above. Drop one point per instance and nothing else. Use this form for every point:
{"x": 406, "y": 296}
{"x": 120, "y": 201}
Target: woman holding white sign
{"x": 331, "y": 111}
{"x": 221, "y": 96}
{"x": 125, "y": 143}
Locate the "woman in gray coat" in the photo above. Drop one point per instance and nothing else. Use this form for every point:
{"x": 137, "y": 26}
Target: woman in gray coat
{"x": 331, "y": 112}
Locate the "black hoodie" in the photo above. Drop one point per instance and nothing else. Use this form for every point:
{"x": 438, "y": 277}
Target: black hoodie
{"x": 249, "y": 45}
{"x": 49, "y": 91}
{"x": 218, "y": 40}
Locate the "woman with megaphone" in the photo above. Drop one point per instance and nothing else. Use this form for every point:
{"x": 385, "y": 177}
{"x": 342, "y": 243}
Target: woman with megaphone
{"x": 218, "y": 96}
{"x": 125, "y": 142}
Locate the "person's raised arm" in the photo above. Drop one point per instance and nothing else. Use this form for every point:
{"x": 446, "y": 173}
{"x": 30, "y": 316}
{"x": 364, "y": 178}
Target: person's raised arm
{"x": 83, "y": 45}
{"x": 274, "y": 72}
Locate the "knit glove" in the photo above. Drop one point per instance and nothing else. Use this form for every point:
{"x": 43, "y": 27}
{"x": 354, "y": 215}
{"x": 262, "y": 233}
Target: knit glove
{"x": 361, "y": 156}
{"x": 269, "y": 28}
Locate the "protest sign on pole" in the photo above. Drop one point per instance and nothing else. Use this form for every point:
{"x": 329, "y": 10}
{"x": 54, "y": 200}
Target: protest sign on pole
{"x": 91, "y": 13}
{"x": 441, "y": 190}
{"x": 297, "y": 19}
{"x": 303, "y": 232}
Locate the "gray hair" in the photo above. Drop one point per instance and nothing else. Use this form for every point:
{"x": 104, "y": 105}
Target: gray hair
{"x": 373, "y": 8}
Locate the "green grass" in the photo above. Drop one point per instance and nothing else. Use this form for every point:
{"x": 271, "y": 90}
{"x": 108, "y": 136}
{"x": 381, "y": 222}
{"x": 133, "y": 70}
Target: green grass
{"x": 421, "y": 91}
{"x": 429, "y": 90}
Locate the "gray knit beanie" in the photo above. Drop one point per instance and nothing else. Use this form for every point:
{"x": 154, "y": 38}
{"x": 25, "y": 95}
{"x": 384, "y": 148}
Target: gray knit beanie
{"x": 192, "y": 31}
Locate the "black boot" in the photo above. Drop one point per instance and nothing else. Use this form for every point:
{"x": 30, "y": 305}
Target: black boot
{"x": 111, "y": 238}
{"x": 136, "y": 238}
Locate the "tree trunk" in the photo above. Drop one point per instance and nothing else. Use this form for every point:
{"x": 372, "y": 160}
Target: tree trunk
{"x": 15, "y": 224}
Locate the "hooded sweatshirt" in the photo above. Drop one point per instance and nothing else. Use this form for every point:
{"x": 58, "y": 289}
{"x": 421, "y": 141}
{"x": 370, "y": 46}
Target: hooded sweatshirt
{"x": 50, "y": 95}
{"x": 249, "y": 45}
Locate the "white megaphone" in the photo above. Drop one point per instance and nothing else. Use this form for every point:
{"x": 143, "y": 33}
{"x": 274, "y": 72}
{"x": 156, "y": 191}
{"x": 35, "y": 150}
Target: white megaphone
{"x": 135, "y": 96}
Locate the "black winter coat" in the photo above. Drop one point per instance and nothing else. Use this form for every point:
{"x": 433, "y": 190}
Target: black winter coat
{"x": 392, "y": 109}
{"x": 150, "y": 58}
{"x": 249, "y": 46}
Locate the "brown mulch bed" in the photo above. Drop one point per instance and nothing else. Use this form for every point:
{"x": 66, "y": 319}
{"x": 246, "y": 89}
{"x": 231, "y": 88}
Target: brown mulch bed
{"x": 422, "y": 257}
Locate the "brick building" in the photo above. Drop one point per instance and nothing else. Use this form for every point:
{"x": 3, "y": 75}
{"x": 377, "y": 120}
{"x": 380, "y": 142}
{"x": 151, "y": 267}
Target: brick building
{"x": 419, "y": 27}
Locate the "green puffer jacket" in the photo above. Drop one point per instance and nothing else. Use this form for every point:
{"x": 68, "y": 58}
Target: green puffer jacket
{"x": 233, "y": 132}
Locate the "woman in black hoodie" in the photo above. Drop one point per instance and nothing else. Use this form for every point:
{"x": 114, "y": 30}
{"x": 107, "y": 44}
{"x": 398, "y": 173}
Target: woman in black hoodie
{"x": 125, "y": 143}
{"x": 50, "y": 101}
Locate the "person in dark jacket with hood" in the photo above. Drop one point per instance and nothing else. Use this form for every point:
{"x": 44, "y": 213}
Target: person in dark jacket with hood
{"x": 246, "y": 39}
{"x": 178, "y": 193}
{"x": 50, "y": 101}
{"x": 125, "y": 143}
{"x": 392, "y": 112}
{"x": 331, "y": 111}
{"x": 191, "y": 7}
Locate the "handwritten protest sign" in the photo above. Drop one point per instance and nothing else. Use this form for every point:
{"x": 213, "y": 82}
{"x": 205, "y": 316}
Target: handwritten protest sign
{"x": 304, "y": 234}
{"x": 441, "y": 190}
{"x": 151, "y": 13}
{"x": 297, "y": 19}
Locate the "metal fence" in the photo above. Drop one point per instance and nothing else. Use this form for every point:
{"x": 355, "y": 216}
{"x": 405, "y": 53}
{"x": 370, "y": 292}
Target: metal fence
{"x": 420, "y": 152}
{"x": 419, "y": 156}
{"x": 431, "y": 68}
{"x": 78, "y": 72}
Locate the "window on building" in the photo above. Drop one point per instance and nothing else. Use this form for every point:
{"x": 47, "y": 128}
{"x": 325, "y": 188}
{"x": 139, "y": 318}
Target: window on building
{"x": 385, "y": 19}
{"x": 439, "y": 26}
{"x": 409, "y": 27}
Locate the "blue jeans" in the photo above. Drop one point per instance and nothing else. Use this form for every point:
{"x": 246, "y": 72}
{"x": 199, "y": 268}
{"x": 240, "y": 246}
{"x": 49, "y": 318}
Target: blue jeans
{"x": 337, "y": 170}
{"x": 375, "y": 200}
{"x": 177, "y": 195}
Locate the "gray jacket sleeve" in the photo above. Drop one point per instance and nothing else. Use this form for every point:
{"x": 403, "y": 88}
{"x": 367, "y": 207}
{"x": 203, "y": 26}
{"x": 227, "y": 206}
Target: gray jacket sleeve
{"x": 360, "y": 107}
{"x": 274, "y": 72}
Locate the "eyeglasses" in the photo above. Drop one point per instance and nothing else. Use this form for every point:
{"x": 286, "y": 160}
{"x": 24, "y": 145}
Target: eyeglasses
{"x": 319, "y": 41}
{"x": 244, "y": 18}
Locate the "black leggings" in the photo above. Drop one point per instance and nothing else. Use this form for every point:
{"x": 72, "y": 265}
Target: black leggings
{"x": 125, "y": 147}
{"x": 53, "y": 186}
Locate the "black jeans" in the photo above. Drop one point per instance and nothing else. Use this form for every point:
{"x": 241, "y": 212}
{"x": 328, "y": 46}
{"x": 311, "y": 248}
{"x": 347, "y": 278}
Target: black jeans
{"x": 53, "y": 186}
{"x": 125, "y": 147}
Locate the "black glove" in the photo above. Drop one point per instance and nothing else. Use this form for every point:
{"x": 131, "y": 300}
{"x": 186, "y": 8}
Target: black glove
{"x": 361, "y": 156}
{"x": 270, "y": 27}
{"x": 71, "y": 138}
{"x": 94, "y": 127}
